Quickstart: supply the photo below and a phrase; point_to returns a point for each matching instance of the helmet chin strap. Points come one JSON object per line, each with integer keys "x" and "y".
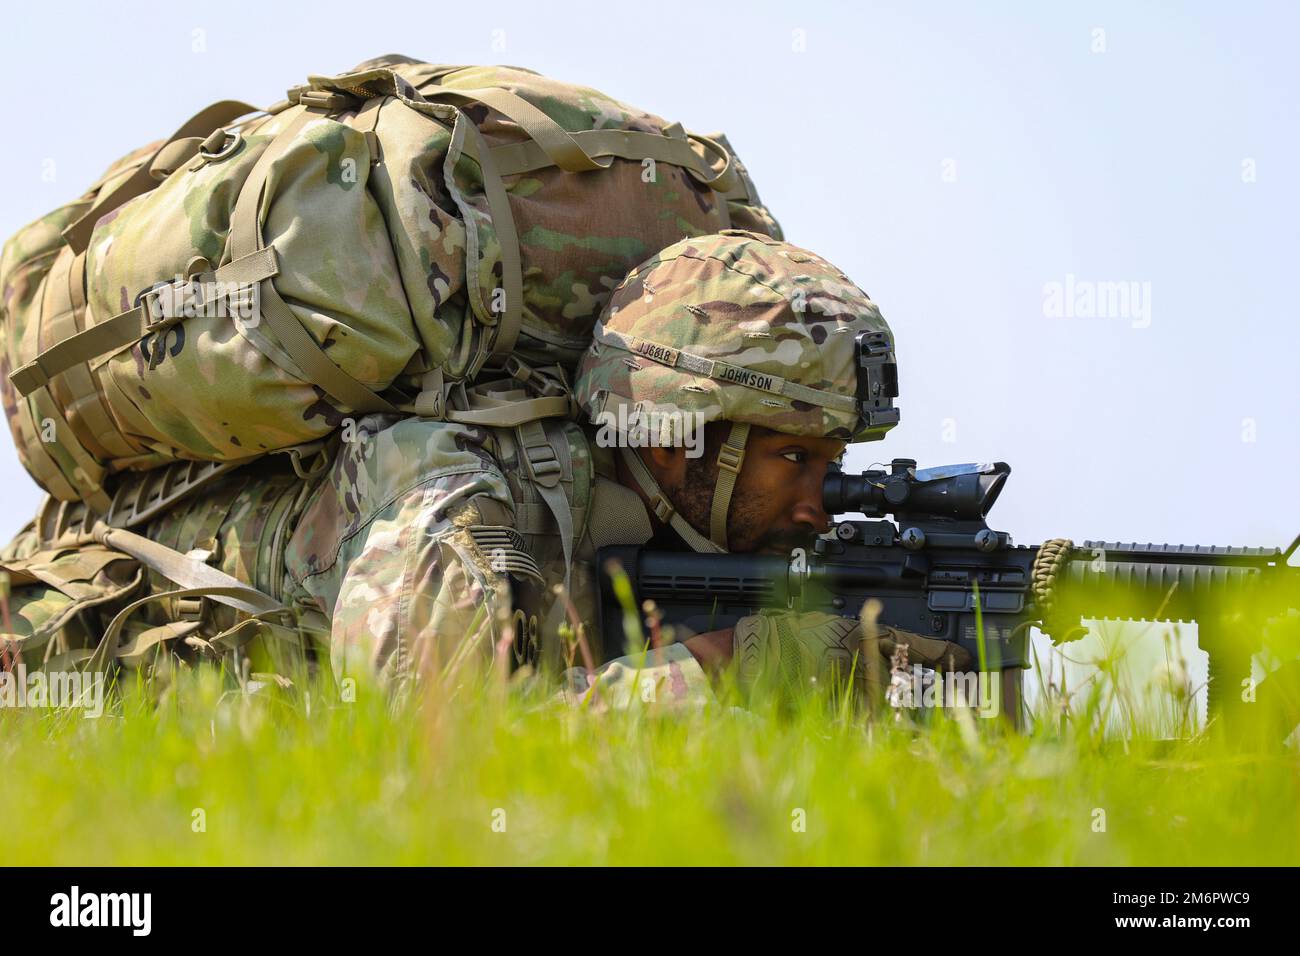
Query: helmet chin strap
{"x": 731, "y": 456}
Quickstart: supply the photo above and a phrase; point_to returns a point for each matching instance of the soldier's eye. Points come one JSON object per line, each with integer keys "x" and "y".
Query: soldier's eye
{"x": 798, "y": 457}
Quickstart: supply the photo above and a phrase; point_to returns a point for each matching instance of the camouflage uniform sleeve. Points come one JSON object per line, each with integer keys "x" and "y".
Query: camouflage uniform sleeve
{"x": 668, "y": 679}
{"x": 383, "y": 550}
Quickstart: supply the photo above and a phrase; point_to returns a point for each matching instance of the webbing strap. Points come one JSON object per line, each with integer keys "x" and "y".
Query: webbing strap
{"x": 109, "y": 336}
{"x": 663, "y": 508}
{"x": 191, "y": 574}
{"x": 466, "y": 137}
{"x": 731, "y": 456}
{"x": 723, "y": 371}
{"x": 508, "y": 414}
{"x": 87, "y": 474}
{"x": 127, "y": 327}
{"x": 422, "y": 74}
{"x": 77, "y": 395}
{"x": 249, "y": 628}
{"x": 245, "y": 239}
{"x": 38, "y": 453}
{"x": 532, "y": 518}
{"x": 320, "y": 368}
{"x": 89, "y": 403}
{"x": 173, "y": 156}
{"x": 557, "y": 142}
{"x": 539, "y": 458}
{"x": 626, "y": 144}
{"x": 108, "y": 645}
{"x": 151, "y": 637}
{"x": 200, "y": 124}
{"x": 247, "y": 269}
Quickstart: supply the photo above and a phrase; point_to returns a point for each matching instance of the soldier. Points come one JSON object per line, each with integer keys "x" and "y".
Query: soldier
{"x": 434, "y": 548}
{"x": 405, "y": 544}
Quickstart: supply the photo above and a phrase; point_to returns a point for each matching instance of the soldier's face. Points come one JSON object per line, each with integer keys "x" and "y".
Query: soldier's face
{"x": 777, "y": 502}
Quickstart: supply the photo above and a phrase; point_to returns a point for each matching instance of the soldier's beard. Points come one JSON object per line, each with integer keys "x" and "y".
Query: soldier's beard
{"x": 747, "y": 530}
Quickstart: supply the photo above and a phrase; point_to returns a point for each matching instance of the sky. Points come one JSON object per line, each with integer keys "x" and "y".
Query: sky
{"x": 984, "y": 171}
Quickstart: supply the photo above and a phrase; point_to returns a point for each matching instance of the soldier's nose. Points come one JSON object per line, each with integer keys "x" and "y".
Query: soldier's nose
{"x": 810, "y": 514}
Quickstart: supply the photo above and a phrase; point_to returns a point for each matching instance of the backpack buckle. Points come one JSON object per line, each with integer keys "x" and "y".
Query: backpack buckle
{"x": 323, "y": 100}
{"x": 189, "y": 608}
{"x": 159, "y": 312}
{"x": 538, "y": 456}
{"x": 221, "y": 142}
{"x": 541, "y": 460}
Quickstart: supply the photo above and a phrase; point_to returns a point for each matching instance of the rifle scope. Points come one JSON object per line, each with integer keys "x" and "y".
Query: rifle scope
{"x": 961, "y": 492}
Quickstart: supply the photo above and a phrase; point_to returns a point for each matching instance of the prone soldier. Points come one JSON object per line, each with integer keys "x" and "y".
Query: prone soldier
{"x": 424, "y": 549}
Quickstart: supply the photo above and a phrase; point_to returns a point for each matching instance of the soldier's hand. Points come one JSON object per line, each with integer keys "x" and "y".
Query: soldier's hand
{"x": 792, "y": 653}
{"x": 928, "y": 651}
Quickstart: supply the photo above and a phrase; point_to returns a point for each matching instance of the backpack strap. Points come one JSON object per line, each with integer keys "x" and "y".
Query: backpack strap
{"x": 63, "y": 314}
{"x": 541, "y": 393}
{"x": 466, "y": 139}
{"x": 83, "y": 472}
{"x": 140, "y": 182}
{"x": 197, "y": 580}
{"x": 191, "y": 573}
{"x": 634, "y": 145}
{"x": 109, "y": 646}
{"x": 510, "y": 413}
{"x": 126, "y": 328}
{"x": 544, "y": 471}
{"x": 560, "y": 146}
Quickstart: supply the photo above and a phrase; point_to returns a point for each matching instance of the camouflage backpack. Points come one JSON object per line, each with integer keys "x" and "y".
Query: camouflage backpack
{"x": 210, "y": 578}
{"x": 376, "y": 242}
{"x": 198, "y": 580}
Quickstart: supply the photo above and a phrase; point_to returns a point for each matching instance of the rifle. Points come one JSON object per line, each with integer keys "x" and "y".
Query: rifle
{"x": 939, "y": 570}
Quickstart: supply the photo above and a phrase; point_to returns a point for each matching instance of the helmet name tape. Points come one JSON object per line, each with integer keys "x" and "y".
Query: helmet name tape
{"x": 663, "y": 354}
{"x": 723, "y": 372}
{"x": 744, "y": 376}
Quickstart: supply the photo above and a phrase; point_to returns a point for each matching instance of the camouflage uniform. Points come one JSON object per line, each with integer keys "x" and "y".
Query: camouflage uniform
{"x": 396, "y": 547}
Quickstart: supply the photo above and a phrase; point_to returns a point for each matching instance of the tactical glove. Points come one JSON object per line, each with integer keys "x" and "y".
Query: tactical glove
{"x": 793, "y": 652}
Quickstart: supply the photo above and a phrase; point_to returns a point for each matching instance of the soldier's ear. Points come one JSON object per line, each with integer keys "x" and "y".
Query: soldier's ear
{"x": 667, "y": 463}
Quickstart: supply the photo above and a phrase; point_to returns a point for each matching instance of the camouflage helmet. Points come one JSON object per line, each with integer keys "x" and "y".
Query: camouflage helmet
{"x": 743, "y": 328}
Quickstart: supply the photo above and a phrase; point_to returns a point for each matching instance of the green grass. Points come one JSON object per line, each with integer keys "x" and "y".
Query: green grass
{"x": 294, "y": 776}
